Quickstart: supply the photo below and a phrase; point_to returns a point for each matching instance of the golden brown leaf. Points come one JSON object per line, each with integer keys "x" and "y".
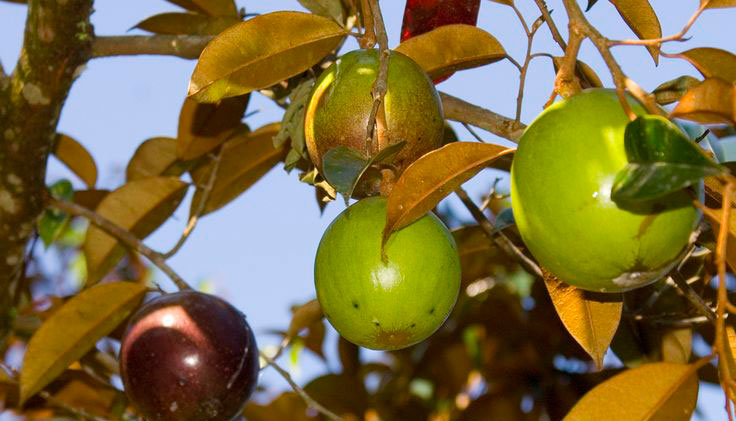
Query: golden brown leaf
{"x": 727, "y": 362}
{"x": 432, "y": 177}
{"x": 74, "y": 329}
{"x": 140, "y": 206}
{"x": 714, "y": 4}
{"x": 714, "y": 218}
{"x": 76, "y": 158}
{"x": 203, "y": 127}
{"x": 651, "y": 392}
{"x": 591, "y": 318}
{"x": 80, "y": 391}
{"x": 449, "y": 48}
{"x": 187, "y": 24}
{"x": 712, "y": 62}
{"x": 640, "y": 17}
{"x": 210, "y": 7}
{"x": 245, "y": 159}
{"x": 304, "y": 316}
{"x": 90, "y": 199}
{"x": 262, "y": 51}
{"x": 154, "y": 157}
{"x": 585, "y": 74}
{"x": 709, "y": 102}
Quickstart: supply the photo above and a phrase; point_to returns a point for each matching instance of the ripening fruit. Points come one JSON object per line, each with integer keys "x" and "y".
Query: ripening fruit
{"x": 561, "y": 181}
{"x": 189, "y": 356}
{"x": 338, "y": 111}
{"x": 391, "y": 304}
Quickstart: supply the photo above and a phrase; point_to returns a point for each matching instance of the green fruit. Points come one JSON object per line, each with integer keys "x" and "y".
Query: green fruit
{"x": 561, "y": 181}
{"x": 338, "y": 111}
{"x": 391, "y": 304}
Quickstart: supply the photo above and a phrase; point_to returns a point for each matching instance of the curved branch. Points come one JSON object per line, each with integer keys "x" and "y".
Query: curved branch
{"x": 458, "y": 110}
{"x": 184, "y": 46}
{"x": 679, "y": 37}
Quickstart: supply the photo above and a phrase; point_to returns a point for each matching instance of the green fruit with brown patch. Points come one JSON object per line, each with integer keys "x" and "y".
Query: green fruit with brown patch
{"x": 561, "y": 181}
{"x": 338, "y": 111}
{"x": 387, "y": 304}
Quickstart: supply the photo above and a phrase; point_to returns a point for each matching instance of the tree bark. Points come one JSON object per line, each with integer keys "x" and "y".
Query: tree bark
{"x": 56, "y": 45}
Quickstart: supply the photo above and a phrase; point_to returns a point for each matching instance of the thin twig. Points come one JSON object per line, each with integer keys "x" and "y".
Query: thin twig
{"x": 679, "y": 37}
{"x": 551, "y": 24}
{"x": 472, "y": 132}
{"x": 308, "y": 399}
{"x": 184, "y": 46}
{"x": 458, "y": 110}
{"x": 695, "y": 299}
{"x": 525, "y": 67}
{"x": 499, "y": 238}
{"x": 200, "y": 206}
{"x": 123, "y": 235}
{"x": 380, "y": 86}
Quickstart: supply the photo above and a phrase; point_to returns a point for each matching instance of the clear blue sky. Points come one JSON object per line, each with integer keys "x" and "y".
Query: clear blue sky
{"x": 259, "y": 250}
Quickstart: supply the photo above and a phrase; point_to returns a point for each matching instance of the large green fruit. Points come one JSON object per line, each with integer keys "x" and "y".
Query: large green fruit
{"x": 341, "y": 102}
{"x": 391, "y": 304}
{"x": 561, "y": 181}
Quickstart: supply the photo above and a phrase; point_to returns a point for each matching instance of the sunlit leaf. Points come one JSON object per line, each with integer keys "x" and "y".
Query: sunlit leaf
{"x": 432, "y": 177}
{"x": 327, "y": 8}
{"x": 640, "y": 17}
{"x": 709, "y": 102}
{"x": 450, "y": 48}
{"x": 590, "y": 317}
{"x": 154, "y": 157}
{"x": 712, "y": 62}
{"x": 506, "y": 2}
{"x": 245, "y": 159}
{"x": 727, "y": 362}
{"x": 262, "y": 51}
{"x": 187, "y": 24}
{"x": 203, "y": 127}
{"x": 713, "y": 4}
{"x": 671, "y": 91}
{"x": 76, "y": 158}
{"x": 661, "y": 159}
{"x": 651, "y": 392}
{"x": 140, "y": 207}
{"x": 74, "y": 329}
{"x": 210, "y": 7}
{"x": 585, "y": 74}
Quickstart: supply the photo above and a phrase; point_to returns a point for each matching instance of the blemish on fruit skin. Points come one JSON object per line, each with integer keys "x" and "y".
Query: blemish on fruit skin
{"x": 355, "y": 305}
{"x": 431, "y": 311}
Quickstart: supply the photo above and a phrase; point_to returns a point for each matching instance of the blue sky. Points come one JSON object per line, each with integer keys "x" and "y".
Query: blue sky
{"x": 258, "y": 251}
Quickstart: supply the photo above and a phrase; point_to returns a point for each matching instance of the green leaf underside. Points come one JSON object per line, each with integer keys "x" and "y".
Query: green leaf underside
{"x": 642, "y": 182}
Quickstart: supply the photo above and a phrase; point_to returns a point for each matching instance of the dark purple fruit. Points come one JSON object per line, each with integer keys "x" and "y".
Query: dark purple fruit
{"x": 189, "y": 356}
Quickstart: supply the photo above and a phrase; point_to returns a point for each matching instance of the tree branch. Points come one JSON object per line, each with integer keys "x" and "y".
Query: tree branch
{"x": 458, "y": 110}
{"x": 56, "y": 43}
{"x": 184, "y": 46}
{"x": 551, "y": 24}
{"x": 123, "y": 235}
{"x": 377, "y": 116}
{"x": 676, "y": 37}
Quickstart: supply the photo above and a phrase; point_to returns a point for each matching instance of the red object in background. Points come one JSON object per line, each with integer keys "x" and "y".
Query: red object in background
{"x": 421, "y": 16}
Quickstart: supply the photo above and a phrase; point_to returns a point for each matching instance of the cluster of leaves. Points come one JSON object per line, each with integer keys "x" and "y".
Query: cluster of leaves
{"x": 517, "y": 346}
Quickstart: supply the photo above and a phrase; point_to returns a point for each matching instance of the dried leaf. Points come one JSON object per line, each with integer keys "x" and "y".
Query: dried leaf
{"x": 671, "y": 91}
{"x": 154, "y": 157}
{"x": 187, "y": 24}
{"x": 245, "y": 159}
{"x": 203, "y": 127}
{"x": 591, "y": 318}
{"x": 210, "y": 7}
{"x": 76, "y": 158}
{"x": 709, "y": 102}
{"x": 262, "y": 51}
{"x": 585, "y": 74}
{"x": 432, "y": 177}
{"x": 74, "y": 329}
{"x": 712, "y": 62}
{"x": 140, "y": 207}
{"x": 651, "y": 392}
{"x": 304, "y": 316}
{"x": 506, "y": 2}
{"x": 640, "y": 17}
{"x": 449, "y": 48}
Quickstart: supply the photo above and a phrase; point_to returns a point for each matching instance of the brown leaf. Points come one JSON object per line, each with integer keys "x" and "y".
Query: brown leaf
{"x": 339, "y": 393}
{"x": 74, "y": 329}
{"x": 90, "y": 199}
{"x": 154, "y": 157}
{"x": 83, "y": 392}
{"x": 712, "y": 62}
{"x": 585, "y": 74}
{"x": 203, "y": 127}
{"x": 432, "y": 177}
{"x": 303, "y": 316}
{"x": 651, "y": 392}
{"x": 140, "y": 206}
{"x": 672, "y": 90}
{"x": 727, "y": 362}
{"x": 287, "y": 406}
{"x": 245, "y": 159}
{"x": 210, "y": 7}
{"x": 76, "y": 158}
{"x": 506, "y": 2}
{"x": 494, "y": 408}
{"x": 714, "y": 4}
{"x": 262, "y": 51}
{"x": 187, "y": 24}
{"x": 591, "y": 318}
{"x": 640, "y": 17}
{"x": 709, "y": 102}
{"x": 449, "y": 48}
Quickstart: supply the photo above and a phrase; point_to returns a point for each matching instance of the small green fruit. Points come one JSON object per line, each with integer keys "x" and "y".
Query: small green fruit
{"x": 338, "y": 111}
{"x": 561, "y": 181}
{"x": 391, "y": 304}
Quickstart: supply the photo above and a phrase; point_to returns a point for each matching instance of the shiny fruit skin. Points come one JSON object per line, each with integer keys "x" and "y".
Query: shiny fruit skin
{"x": 561, "y": 181}
{"x": 189, "y": 356}
{"x": 388, "y": 305}
{"x": 341, "y": 102}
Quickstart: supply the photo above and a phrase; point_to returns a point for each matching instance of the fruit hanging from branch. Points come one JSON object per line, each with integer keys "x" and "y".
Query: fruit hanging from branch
{"x": 189, "y": 356}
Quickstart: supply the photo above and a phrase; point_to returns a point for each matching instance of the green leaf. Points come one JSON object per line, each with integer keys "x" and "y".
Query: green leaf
{"x": 54, "y": 221}
{"x": 74, "y": 329}
{"x": 262, "y": 51}
{"x": 187, "y": 24}
{"x": 662, "y": 160}
{"x": 671, "y": 91}
{"x": 292, "y": 124}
